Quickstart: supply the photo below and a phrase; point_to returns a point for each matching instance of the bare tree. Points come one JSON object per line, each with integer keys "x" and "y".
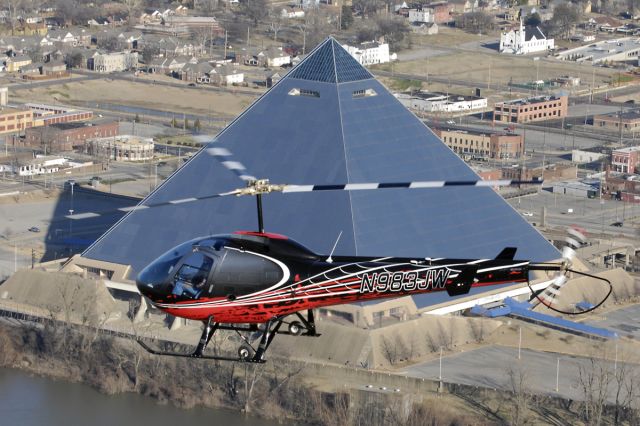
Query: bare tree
{"x": 518, "y": 379}
{"x": 475, "y": 22}
{"x": 13, "y": 9}
{"x": 389, "y": 350}
{"x": 594, "y": 378}
{"x": 276, "y": 22}
{"x": 256, "y": 10}
{"x": 252, "y": 375}
{"x": 367, "y": 7}
{"x": 565, "y": 17}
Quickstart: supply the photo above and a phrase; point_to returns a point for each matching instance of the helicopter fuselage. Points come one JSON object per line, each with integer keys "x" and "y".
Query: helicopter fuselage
{"x": 252, "y": 277}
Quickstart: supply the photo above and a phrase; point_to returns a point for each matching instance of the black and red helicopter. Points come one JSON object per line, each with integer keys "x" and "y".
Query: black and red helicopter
{"x": 238, "y": 281}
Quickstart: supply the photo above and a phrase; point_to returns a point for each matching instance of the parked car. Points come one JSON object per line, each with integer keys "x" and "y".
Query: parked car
{"x": 529, "y": 214}
{"x": 617, "y": 224}
{"x": 34, "y": 229}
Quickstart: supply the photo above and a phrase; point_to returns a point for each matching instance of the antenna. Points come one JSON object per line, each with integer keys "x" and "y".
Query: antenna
{"x": 330, "y": 259}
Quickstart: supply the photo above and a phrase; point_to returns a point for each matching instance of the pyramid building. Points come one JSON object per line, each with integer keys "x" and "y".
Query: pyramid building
{"x": 329, "y": 121}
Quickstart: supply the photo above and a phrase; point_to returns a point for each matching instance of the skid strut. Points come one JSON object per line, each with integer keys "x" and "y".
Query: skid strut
{"x": 272, "y": 327}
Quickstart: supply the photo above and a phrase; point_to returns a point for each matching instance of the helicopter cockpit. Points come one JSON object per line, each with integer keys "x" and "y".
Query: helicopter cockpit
{"x": 207, "y": 267}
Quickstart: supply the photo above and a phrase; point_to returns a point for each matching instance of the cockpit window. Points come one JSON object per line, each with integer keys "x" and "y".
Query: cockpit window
{"x": 157, "y": 272}
{"x": 191, "y": 278}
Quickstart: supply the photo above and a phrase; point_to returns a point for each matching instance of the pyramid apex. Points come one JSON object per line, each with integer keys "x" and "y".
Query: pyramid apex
{"x": 329, "y": 62}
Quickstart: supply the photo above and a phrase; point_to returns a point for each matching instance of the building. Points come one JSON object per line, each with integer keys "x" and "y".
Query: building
{"x": 122, "y": 148}
{"x": 45, "y": 115}
{"x": 68, "y": 136}
{"x": 441, "y": 102}
{"x": 346, "y": 127}
{"x": 626, "y": 160}
{"x": 370, "y": 52}
{"x": 441, "y": 12}
{"x": 548, "y": 172}
{"x": 625, "y": 121}
{"x": 586, "y": 156}
{"x": 617, "y": 50}
{"x": 14, "y": 63}
{"x": 472, "y": 144}
{"x": 113, "y": 62}
{"x": 14, "y": 120}
{"x": 576, "y": 189}
{"x": 526, "y": 110}
{"x": 424, "y": 14}
{"x": 41, "y": 165}
{"x": 525, "y": 40}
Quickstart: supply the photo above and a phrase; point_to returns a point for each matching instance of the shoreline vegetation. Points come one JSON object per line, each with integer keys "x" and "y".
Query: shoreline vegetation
{"x": 276, "y": 390}
{"x": 281, "y": 389}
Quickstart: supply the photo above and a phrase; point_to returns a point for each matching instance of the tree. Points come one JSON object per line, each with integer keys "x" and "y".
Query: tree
{"x": 74, "y": 60}
{"x": 366, "y": 7}
{"x": 149, "y": 52}
{"x": 518, "y": 379}
{"x": 186, "y": 123}
{"x": 256, "y": 10}
{"x": 475, "y": 22}
{"x": 196, "y": 125}
{"x": 109, "y": 43}
{"x": 13, "y": 9}
{"x": 565, "y": 17}
{"x": 393, "y": 30}
{"x": 633, "y": 6}
{"x": 533, "y": 19}
{"x": 346, "y": 18}
{"x": 276, "y": 23}
{"x": 136, "y": 119}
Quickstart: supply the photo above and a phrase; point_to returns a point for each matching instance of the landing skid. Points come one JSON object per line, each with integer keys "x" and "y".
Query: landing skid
{"x": 246, "y": 352}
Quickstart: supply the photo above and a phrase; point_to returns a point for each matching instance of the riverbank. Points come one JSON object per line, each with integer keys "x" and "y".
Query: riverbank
{"x": 277, "y": 390}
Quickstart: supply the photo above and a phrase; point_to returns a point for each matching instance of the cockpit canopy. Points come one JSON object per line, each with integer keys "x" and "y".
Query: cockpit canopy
{"x": 209, "y": 267}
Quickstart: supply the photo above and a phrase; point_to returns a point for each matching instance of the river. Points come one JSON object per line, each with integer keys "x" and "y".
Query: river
{"x": 27, "y": 400}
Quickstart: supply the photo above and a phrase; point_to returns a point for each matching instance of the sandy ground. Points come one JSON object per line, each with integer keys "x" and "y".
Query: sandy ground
{"x": 158, "y": 97}
{"x": 478, "y": 66}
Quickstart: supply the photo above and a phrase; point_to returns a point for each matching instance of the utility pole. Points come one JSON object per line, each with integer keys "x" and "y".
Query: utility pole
{"x": 225, "y": 45}
{"x": 520, "y": 342}
{"x": 557, "y": 374}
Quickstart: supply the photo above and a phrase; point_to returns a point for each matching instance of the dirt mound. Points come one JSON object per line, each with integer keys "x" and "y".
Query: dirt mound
{"x": 64, "y": 296}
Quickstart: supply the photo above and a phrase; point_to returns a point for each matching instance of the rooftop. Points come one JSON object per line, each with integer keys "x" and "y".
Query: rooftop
{"x": 450, "y": 97}
{"x": 529, "y": 101}
{"x": 600, "y": 51}
{"x": 628, "y": 149}
{"x": 626, "y": 116}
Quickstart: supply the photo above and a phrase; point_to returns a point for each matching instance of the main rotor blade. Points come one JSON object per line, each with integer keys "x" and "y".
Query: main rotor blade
{"x": 407, "y": 185}
{"x": 264, "y": 187}
{"x": 88, "y": 215}
{"x": 223, "y": 155}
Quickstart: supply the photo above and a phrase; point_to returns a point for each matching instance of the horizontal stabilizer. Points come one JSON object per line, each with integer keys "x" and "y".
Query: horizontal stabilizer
{"x": 508, "y": 253}
{"x": 462, "y": 284}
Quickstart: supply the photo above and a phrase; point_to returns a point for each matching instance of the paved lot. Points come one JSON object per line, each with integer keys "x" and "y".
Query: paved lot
{"x": 625, "y": 321}
{"x": 490, "y": 367}
{"x": 591, "y": 214}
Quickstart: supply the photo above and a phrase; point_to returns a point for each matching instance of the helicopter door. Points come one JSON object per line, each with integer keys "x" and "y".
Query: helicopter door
{"x": 191, "y": 279}
{"x": 240, "y": 273}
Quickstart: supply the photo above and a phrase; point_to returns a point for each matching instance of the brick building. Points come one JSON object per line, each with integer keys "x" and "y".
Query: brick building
{"x": 526, "y": 110}
{"x": 68, "y": 136}
{"x": 484, "y": 145}
{"x": 625, "y": 160}
{"x": 549, "y": 173}
{"x": 628, "y": 121}
{"x": 15, "y": 120}
{"x": 441, "y": 12}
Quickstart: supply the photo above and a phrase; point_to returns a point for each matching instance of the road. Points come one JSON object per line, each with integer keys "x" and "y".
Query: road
{"x": 592, "y": 215}
{"x": 491, "y": 367}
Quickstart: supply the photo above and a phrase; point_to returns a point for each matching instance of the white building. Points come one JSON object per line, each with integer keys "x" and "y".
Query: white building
{"x": 113, "y": 62}
{"x": 440, "y": 102}
{"x": 622, "y": 50}
{"x": 525, "y": 40}
{"x": 370, "y": 53}
{"x": 41, "y": 165}
{"x": 421, "y": 15}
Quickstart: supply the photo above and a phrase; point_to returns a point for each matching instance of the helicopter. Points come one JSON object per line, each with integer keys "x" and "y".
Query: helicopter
{"x": 262, "y": 282}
